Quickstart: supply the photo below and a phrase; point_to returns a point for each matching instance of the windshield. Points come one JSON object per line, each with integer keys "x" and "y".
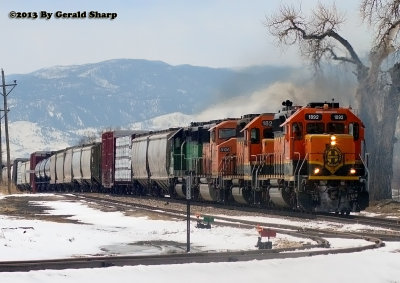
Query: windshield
{"x": 315, "y": 128}
{"x": 226, "y": 133}
{"x": 335, "y": 128}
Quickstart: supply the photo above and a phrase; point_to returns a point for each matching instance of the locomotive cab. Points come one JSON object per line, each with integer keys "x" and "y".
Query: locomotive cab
{"x": 220, "y": 145}
{"x": 252, "y": 154}
{"x": 223, "y": 157}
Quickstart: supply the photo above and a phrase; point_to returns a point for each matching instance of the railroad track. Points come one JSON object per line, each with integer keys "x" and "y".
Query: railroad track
{"x": 394, "y": 235}
{"x": 317, "y": 235}
{"x": 390, "y": 224}
{"x": 360, "y": 219}
{"x": 107, "y": 261}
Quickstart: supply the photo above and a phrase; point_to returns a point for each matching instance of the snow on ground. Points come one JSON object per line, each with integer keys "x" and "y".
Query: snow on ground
{"x": 99, "y": 233}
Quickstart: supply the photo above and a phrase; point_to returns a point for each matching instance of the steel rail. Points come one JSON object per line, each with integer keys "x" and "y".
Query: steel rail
{"x": 352, "y": 219}
{"x": 108, "y": 261}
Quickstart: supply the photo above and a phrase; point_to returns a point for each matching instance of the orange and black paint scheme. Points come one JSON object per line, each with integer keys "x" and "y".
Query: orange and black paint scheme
{"x": 323, "y": 155}
{"x": 216, "y": 159}
{"x": 310, "y": 158}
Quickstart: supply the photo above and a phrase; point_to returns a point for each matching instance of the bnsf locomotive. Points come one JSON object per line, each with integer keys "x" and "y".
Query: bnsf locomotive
{"x": 310, "y": 158}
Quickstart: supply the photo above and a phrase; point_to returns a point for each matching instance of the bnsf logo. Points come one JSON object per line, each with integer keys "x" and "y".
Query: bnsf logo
{"x": 225, "y": 149}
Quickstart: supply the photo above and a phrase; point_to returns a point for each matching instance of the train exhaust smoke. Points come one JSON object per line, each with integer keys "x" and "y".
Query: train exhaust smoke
{"x": 270, "y": 98}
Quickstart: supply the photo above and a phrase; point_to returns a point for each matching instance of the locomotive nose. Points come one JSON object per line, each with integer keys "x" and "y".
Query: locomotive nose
{"x": 329, "y": 154}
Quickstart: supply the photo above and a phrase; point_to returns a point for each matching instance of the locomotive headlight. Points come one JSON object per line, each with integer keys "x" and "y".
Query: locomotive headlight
{"x": 333, "y": 140}
{"x": 316, "y": 171}
{"x": 352, "y": 171}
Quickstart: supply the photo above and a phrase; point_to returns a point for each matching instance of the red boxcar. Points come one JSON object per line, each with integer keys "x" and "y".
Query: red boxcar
{"x": 108, "y": 155}
{"x": 36, "y": 157}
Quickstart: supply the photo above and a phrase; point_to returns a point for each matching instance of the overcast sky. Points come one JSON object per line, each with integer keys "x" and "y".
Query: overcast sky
{"x": 215, "y": 33}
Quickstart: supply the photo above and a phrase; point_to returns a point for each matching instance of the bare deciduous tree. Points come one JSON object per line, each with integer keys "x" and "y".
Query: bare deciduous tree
{"x": 88, "y": 138}
{"x": 378, "y": 92}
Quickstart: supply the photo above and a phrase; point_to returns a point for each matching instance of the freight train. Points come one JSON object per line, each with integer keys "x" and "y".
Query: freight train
{"x": 310, "y": 158}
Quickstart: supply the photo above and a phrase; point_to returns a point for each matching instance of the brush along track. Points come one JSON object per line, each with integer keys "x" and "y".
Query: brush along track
{"x": 393, "y": 224}
{"x": 203, "y": 257}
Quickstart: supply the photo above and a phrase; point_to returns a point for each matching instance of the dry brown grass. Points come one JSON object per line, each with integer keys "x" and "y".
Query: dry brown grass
{"x": 4, "y": 190}
{"x": 389, "y": 206}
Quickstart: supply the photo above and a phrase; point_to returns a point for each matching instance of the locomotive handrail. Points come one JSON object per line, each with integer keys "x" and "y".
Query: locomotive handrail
{"x": 234, "y": 164}
{"x": 196, "y": 164}
{"x": 258, "y": 170}
{"x": 298, "y": 174}
{"x": 298, "y": 161}
{"x": 225, "y": 163}
{"x": 253, "y": 155}
{"x": 269, "y": 155}
{"x": 276, "y": 164}
{"x": 262, "y": 164}
{"x": 228, "y": 158}
{"x": 182, "y": 155}
{"x": 252, "y": 171}
{"x": 220, "y": 165}
{"x": 365, "y": 163}
{"x": 280, "y": 164}
{"x": 240, "y": 164}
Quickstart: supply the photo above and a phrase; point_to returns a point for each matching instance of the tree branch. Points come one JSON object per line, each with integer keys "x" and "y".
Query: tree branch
{"x": 330, "y": 33}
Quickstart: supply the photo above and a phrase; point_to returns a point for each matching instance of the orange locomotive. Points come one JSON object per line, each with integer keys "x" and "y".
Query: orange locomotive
{"x": 310, "y": 158}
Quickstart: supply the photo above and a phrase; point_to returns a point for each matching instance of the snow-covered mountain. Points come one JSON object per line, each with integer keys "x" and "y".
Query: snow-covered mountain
{"x": 27, "y": 137}
{"x": 120, "y": 92}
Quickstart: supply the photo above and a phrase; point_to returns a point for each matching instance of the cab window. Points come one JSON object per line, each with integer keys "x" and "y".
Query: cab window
{"x": 255, "y": 135}
{"x": 213, "y": 135}
{"x": 335, "y": 128}
{"x": 315, "y": 128}
{"x": 268, "y": 133}
{"x": 177, "y": 143}
{"x": 297, "y": 129}
{"x": 354, "y": 130}
{"x": 226, "y": 133}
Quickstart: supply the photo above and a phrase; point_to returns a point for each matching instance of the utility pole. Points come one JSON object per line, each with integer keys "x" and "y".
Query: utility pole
{"x": 1, "y": 150}
{"x": 5, "y": 94}
{"x": 1, "y": 154}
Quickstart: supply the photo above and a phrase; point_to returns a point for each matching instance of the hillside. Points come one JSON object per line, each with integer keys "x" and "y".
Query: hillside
{"x": 120, "y": 92}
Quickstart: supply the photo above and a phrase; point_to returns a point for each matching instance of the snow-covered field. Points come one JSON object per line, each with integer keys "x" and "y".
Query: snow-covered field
{"x": 99, "y": 233}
